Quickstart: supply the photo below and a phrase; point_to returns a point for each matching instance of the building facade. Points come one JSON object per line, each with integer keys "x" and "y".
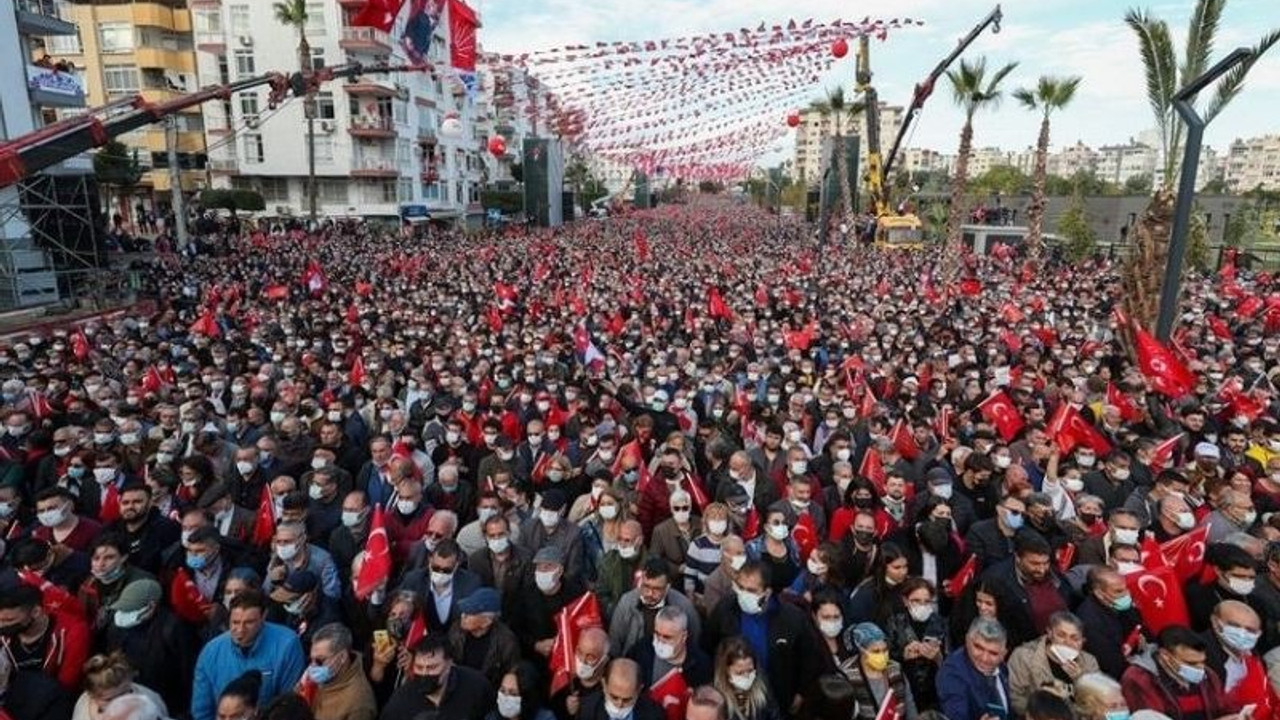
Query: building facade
{"x": 1253, "y": 163}
{"x": 815, "y": 128}
{"x": 1119, "y": 163}
{"x": 378, "y": 145}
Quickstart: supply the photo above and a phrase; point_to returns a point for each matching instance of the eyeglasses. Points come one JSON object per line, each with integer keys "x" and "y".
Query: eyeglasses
{"x": 682, "y": 508}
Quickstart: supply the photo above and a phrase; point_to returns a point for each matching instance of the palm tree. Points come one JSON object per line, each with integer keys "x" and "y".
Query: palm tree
{"x": 838, "y": 109}
{"x": 973, "y": 90}
{"x": 293, "y": 13}
{"x": 1049, "y": 94}
{"x": 1165, "y": 76}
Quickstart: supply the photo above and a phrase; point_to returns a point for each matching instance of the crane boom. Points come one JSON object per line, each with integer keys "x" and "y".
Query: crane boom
{"x": 28, "y": 154}
{"x": 924, "y": 89}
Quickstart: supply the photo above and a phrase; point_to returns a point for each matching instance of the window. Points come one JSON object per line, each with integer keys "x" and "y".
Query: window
{"x": 401, "y": 112}
{"x": 244, "y": 63}
{"x": 317, "y": 58}
{"x": 120, "y": 79}
{"x": 64, "y": 44}
{"x": 324, "y": 106}
{"x": 255, "y": 152}
{"x": 223, "y": 73}
{"x": 430, "y": 191}
{"x": 115, "y": 37}
{"x": 249, "y": 107}
{"x": 315, "y": 19}
{"x": 404, "y": 190}
{"x": 388, "y": 191}
{"x": 457, "y": 193}
{"x": 402, "y": 152}
{"x": 208, "y": 21}
{"x": 274, "y": 190}
{"x": 240, "y": 19}
{"x": 324, "y": 148}
{"x": 331, "y": 192}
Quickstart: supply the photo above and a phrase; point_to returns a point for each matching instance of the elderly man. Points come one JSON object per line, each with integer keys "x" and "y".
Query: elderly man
{"x": 669, "y": 655}
{"x": 973, "y": 682}
{"x": 342, "y": 690}
{"x": 623, "y": 696}
{"x": 591, "y": 657}
{"x": 443, "y": 584}
{"x": 1047, "y": 660}
{"x": 291, "y": 551}
{"x": 1234, "y": 631}
{"x": 1109, "y": 619}
{"x": 480, "y": 639}
{"x": 618, "y": 567}
{"x": 636, "y": 612}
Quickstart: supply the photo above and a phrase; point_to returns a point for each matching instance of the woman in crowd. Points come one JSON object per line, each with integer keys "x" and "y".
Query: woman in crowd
{"x": 917, "y": 634}
{"x": 107, "y": 677}
{"x": 520, "y": 696}
{"x": 742, "y": 683}
{"x": 874, "y": 673}
{"x": 877, "y": 597}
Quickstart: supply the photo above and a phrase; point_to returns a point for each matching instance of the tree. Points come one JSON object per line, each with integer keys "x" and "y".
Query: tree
{"x": 1049, "y": 94}
{"x": 233, "y": 200}
{"x": 1138, "y": 185}
{"x": 1003, "y": 180}
{"x": 838, "y": 108}
{"x": 973, "y": 89}
{"x": 115, "y": 167}
{"x": 293, "y": 14}
{"x": 1198, "y": 240}
{"x": 1165, "y": 76}
{"x": 1216, "y": 186}
{"x": 1074, "y": 227}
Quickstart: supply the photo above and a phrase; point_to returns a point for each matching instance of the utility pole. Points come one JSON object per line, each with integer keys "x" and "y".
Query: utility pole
{"x": 309, "y": 107}
{"x": 175, "y": 181}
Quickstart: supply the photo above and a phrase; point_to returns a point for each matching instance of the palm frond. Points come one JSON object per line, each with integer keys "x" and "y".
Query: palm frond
{"x": 1158, "y": 62}
{"x": 1231, "y": 83}
{"x": 1028, "y": 99}
{"x": 1066, "y": 90}
{"x": 1200, "y": 36}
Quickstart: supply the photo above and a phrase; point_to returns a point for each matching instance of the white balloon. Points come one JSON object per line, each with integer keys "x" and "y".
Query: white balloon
{"x": 451, "y": 127}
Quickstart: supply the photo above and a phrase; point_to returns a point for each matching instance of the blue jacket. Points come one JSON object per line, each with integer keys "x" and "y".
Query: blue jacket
{"x": 277, "y": 653}
{"x": 964, "y": 693}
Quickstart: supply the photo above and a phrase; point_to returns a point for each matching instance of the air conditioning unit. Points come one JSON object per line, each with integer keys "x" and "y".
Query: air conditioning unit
{"x": 252, "y": 123}
{"x": 326, "y": 126}
{"x": 246, "y": 40}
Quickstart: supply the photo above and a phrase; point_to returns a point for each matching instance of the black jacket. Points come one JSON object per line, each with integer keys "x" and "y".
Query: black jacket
{"x": 793, "y": 659}
{"x": 1014, "y": 604}
{"x": 147, "y": 543}
{"x": 592, "y": 708}
{"x": 36, "y": 696}
{"x": 467, "y": 696}
{"x": 1105, "y": 631}
{"x": 163, "y": 650}
{"x": 697, "y": 668}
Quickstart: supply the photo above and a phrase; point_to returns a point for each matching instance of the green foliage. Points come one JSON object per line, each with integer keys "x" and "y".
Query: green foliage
{"x": 1049, "y": 94}
{"x": 710, "y": 187}
{"x": 1138, "y": 185}
{"x": 1003, "y": 179}
{"x": 509, "y": 202}
{"x": 233, "y": 200}
{"x": 935, "y": 221}
{"x": 1252, "y": 225}
{"x": 1083, "y": 181}
{"x": 973, "y": 89}
{"x": 1198, "y": 241}
{"x": 1216, "y": 186}
{"x": 116, "y": 166}
{"x": 1073, "y": 226}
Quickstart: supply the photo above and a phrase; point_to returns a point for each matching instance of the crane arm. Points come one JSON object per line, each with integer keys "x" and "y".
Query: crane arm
{"x": 874, "y": 174}
{"x": 924, "y": 89}
{"x": 28, "y": 154}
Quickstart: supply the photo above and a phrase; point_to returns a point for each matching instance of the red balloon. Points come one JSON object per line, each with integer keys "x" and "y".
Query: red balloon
{"x": 839, "y": 48}
{"x": 497, "y": 145}
{"x": 793, "y": 120}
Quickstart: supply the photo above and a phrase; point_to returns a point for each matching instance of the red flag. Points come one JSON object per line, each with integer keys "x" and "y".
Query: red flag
{"x": 79, "y": 345}
{"x": 357, "y": 374}
{"x": 762, "y": 295}
{"x": 110, "y": 510}
{"x": 751, "y": 526}
{"x": 1185, "y": 553}
{"x": 868, "y": 405}
{"x": 1167, "y": 374}
{"x": 206, "y": 325}
{"x": 377, "y": 557}
{"x": 264, "y": 525}
{"x": 955, "y": 586}
{"x": 55, "y": 598}
{"x": 1128, "y": 411}
{"x": 380, "y": 14}
{"x": 40, "y": 406}
{"x": 1132, "y": 642}
{"x": 890, "y": 708}
{"x": 185, "y": 597}
{"x": 1249, "y": 307}
{"x": 1163, "y": 452}
{"x": 363, "y": 289}
{"x": 1219, "y": 327}
{"x": 671, "y": 692}
{"x": 152, "y": 382}
{"x": 570, "y": 621}
{"x": 276, "y": 292}
{"x": 642, "y": 246}
{"x": 804, "y": 535}
{"x": 717, "y": 308}
{"x": 904, "y": 441}
{"x": 1011, "y": 314}
{"x": 306, "y": 689}
{"x": 313, "y": 278}
{"x": 873, "y": 469}
{"x": 971, "y": 287}
{"x": 1000, "y": 411}
{"x": 1158, "y": 597}
{"x": 942, "y": 424}
{"x": 1069, "y": 428}
{"x": 1065, "y": 556}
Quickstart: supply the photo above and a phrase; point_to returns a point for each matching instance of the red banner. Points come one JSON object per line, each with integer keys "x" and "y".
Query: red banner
{"x": 462, "y": 36}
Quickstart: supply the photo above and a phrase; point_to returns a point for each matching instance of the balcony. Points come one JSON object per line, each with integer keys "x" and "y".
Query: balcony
{"x": 427, "y": 137}
{"x": 365, "y": 40}
{"x": 160, "y": 58}
{"x": 372, "y": 88}
{"x": 223, "y": 166}
{"x": 211, "y": 42}
{"x": 372, "y": 126}
{"x": 374, "y": 168}
{"x": 40, "y": 17}
{"x": 50, "y": 88}
{"x": 188, "y": 142}
{"x": 429, "y": 174}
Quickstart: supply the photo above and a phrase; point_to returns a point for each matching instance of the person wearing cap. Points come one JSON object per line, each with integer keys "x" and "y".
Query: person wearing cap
{"x": 549, "y": 589}
{"x": 873, "y": 674}
{"x": 232, "y": 521}
{"x": 298, "y": 605}
{"x": 159, "y": 646}
{"x": 552, "y": 530}
{"x": 251, "y": 643}
{"x": 110, "y": 571}
{"x": 342, "y": 691}
{"x": 480, "y": 639}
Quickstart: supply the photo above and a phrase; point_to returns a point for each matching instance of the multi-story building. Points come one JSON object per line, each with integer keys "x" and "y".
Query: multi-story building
{"x": 1072, "y": 159}
{"x": 1253, "y": 163}
{"x": 983, "y": 159}
{"x": 33, "y": 92}
{"x": 504, "y": 107}
{"x": 916, "y": 160}
{"x": 1119, "y": 163}
{"x": 379, "y": 148}
{"x": 815, "y": 127}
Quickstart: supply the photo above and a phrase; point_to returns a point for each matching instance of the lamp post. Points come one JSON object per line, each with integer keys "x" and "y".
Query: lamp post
{"x": 1183, "y": 102}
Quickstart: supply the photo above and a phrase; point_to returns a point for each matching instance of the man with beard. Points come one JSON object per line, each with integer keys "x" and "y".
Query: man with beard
{"x": 147, "y": 531}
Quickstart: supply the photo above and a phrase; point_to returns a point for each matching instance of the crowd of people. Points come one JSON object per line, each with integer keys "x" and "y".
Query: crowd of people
{"x": 681, "y": 464}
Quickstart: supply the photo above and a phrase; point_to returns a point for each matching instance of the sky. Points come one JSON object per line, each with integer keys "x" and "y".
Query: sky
{"x": 1087, "y": 38}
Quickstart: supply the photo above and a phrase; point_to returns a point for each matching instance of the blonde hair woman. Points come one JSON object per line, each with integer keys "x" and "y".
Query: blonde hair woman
{"x": 107, "y": 677}
{"x": 741, "y": 680}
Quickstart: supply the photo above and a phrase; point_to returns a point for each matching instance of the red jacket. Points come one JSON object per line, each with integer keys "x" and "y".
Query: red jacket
{"x": 1145, "y": 687}
{"x": 66, "y": 651}
{"x": 404, "y": 535}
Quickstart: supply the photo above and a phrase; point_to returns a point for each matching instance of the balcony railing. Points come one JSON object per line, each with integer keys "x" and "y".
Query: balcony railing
{"x": 374, "y": 167}
{"x": 365, "y": 39}
{"x": 372, "y": 126}
{"x": 223, "y": 165}
{"x": 41, "y": 17}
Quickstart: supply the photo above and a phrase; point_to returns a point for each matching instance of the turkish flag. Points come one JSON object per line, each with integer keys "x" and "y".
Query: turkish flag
{"x": 377, "y": 557}
{"x": 642, "y": 246}
{"x": 1069, "y": 428}
{"x": 1129, "y": 412}
{"x": 206, "y": 325}
{"x": 1065, "y": 556}
{"x": 570, "y": 621}
{"x": 264, "y": 524}
{"x": 357, "y": 372}
{"x": 671, "y": 692}
{"x": 1249, "y": 307}
{"x": 890, "y": 708}
{"x": 1151, "y": 555}
{"x": 868, "y": 406}
{"x": 999, "y": 410}
{"x": 954, "y": 587}
{"x": 942, "y": 424}
{"x": 110, "y": 510}
{"x": 363, "y": 289}
{"x": 716, "y": 306}
{"x": 1167, "y": 374}
{"x": 54, "y": 598}
{"x": 872, "y": 468}
{"x": 1163, "y": 453}
{"x": 40, "y": 406}
{"x": 1011, "y": 313}
{"x": 804, "y": 535}
{"x": 380, "y": 14}
{"x": 79, "y": 345}
{"x": 152, "y": 382}
{"x": 1157, "y": 595}
{"x": 1219, "y": 327}
{"x": 971, "y": 287}
{"x": 762, "y": 295}
{"x": 1185, "y": 553}
{"x": 904, "y": 441}
{"x": 276, "y": 292}
{"x": 186, "y": 599}
{"x": 751, "y": 526}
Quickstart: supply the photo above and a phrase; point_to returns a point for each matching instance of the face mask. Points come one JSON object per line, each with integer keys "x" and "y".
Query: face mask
{"x": 876, "y": 661}
{"x": 1002, "y": 462}
{"x": 406, "y": 507}
{"x": 1086, "y": 460}
{"x": 164, "y": 458}
{"x": 129, "y": 619}
{"x": 196, "y": 562}
{"x": 441, "y": 579}
{"x": 605, "y": 455}
{"x": 864, "y": 537}
{"x": 545, "y": 580}
{"x": 129, "y": 439}
{"x": 549, "y": 518}
{"x": 351, "y": 518}
{"x": 942, "y": 491}
{"x": 778, "y": 532}
{"x": 1064, "y": 653}
{"x": 319, "y": 674}
{"x": 737, "y": 561}
{"x": 7, "y": 509}
{"x": 749, "y": 602}
{"x": 1116, "y": 715}
{"x": 799, "y": 467}
{"x": 1240, "y": 586}
{"x": 1121, "y": 474}
{"x": 75, "y": 472}
{"x": 1125, "y": 536}
{"x": 508, "y": 705}
{"x": 1013, "y": 519}
{"x": 315, "y": 492}
{"x": 429, "y": 683}
{"x": 816, "y": 567}
{"x": 680, "y": 516}
{"x": 287, "y": 552}
{"x": 294, "y": 607}
{"x": 318, "y": 463}
{"x": 717, "y": 527}
{"x": 52, "y": 518}
{"x": 485, "y": 513}
{"x": 1249, "y": 517}
{"x": 1239, "y": 639}
{"x": 663, "y": 650}
{"x": 920, "y": 613}
{"x": 616, "y": 712}
{"x": 843, "y": 454}
{"x": 1190, "y": 675}
{"x": 188, "y": 427}
{"x": 1185, "y": 520}
{"x": 498, "y": 545}
{"x": 743, "y": 683}
{"x": 244, "y": 467}
{"x": 831, "y": 628}
{"x": 586, "y": 670}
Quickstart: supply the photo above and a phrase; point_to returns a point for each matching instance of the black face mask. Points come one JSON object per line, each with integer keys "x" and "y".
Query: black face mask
{"x": 429, "y": 683}
{"x": 16, "y": 629}
{"x": 1088, "y": 518}
{"x": 864, "y": 502}
{"x": 864, "y": 537}
{"x": 935, "y": 535}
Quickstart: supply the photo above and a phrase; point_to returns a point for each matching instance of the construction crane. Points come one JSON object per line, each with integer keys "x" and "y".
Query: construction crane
{"x": 28, "y": 154}
{"x": 894, "y": 229}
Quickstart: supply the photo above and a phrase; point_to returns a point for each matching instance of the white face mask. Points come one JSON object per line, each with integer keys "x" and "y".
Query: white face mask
{"x": 942, "y": 491}
{"x": 920, "y": 613}
{"x": 103, "y": 476}
{"x": 549, "y": 518}
{"x": 778, "y": 532}
{"x": 498, "y": 545}
{"x": 743, "y": 683}
{"x": 680, "y": 516}
{"x": 843, "y": 454}
{"x": 749, "y": 602}
{"x": 244, "y": 467}
{"x": 1086, "y": 460}
{"x": 406, "y": 507}
{"x": 1186, "y": 520}
{"x": 1064, "y": 653}
{"x": 617, "y": 712}
{"x": 1240, "y": 586}
{"x": 287, "y": 552}
{"x": 351, "y": 518}
{"x": 816, "y": 566}
{"x": 545, "y": 580}
{"x": 585, "y": 670}
{"x": 1125, "y": 536}
{"x": 717, "y": 527}
{"x": 626, "y": 552}
{"x": 508, "y": 705}
{"x": 737, "y": 561}
{"x": 831, "y": 628}
{"x": 1073, "y": 485}
{"x": 798, "y": 467}
{"x": 663, "y": 650}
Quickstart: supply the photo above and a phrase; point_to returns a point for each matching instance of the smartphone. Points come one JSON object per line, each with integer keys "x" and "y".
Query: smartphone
{"x": 381, "y": 638}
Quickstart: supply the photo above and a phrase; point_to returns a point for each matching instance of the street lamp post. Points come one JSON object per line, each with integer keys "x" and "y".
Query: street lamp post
{"x": 1183, "y": 102}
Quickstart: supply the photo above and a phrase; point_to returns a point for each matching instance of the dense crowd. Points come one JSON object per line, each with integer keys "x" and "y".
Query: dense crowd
{"x": 682, "y": 464}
